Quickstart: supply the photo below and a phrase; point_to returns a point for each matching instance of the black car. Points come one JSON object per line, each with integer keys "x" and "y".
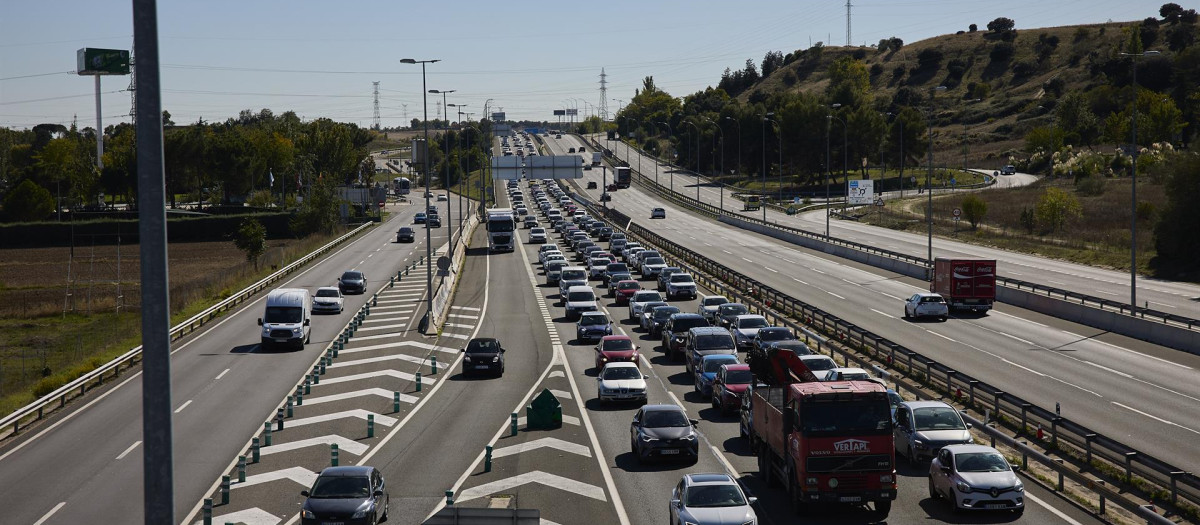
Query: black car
{"x": 353, "y": 281}
{"x": 728, "y": 311}
{"x": 772, "y": 334}
{"x": 433, "y": 222}
{"x": 674, "y": 332}
{"x": 350, "y": 495}
{"x": 405, "y": 234}
{"x": 663, "y": 431}
{"x": 483, "y": 354}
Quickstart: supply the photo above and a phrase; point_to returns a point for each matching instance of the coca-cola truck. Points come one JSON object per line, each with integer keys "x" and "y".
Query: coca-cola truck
{"x": 965, "y": 283}
{"x": 826, "y": 442}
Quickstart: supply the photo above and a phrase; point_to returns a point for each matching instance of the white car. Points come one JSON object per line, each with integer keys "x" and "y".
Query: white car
{"x": 537, "y": 235}
{"x": 579, "y": 299}
{"x": 639, "y": 300}
{"x": 545, "y": 250}
{"x": 848, "y": 374}
{"x": 820, "y": 365}
{"x": 681, "y": 284}
{"x": 709, "y": 306}
{"x": 571, "y": 276}
{"x": 925, "y": 304}
{"x": 745, "y": 327}
{"x": 976, "y": 477}
{"x": 328, "y": 299}
{"x": 621, "y": 381}
{"x": 551, "y": 257}
{"x": 597, "y": 266}
{"x": 650, "y": 266}
{"x": 711, "y": 498}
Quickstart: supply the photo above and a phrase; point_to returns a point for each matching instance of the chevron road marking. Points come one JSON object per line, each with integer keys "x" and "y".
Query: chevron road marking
{"x": 403, "y": 309}
{"x": 456, "y": 336}
{"x": 383, "y": 320}
{"x": 557, "y": 373}
{"x": 369, "y": 360}
{"x": 561, "y": 394}
{"x": 380, "y": 373}
{"x": 358, "y": 413}
{"x": 252, "y": 516}
{"x": 384, "y": 393}
{"x": 464, "y": 316}
{"x": 300, "y": 475}
{"x": 396, "y": 301}
{"x": 384, "y": 327}
{"x": 343, "y": 443}
{"x": 537, "y": 476}
{"x": 397, "y": 344}
{"x": 547, "y": 442}
{"x": 468, "y": 308}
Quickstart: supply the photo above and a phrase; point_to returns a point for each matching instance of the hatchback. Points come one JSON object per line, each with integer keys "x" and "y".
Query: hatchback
{"x": 976, "y": 477}
{"x": 351, "y": 495}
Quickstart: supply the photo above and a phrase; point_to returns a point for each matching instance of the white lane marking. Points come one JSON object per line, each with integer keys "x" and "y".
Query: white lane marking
{"x": 343, "y": 443}
{"x": 940, "y": 335}
{"x": 816, "y": 270}
{"x": 1055, "y": 282}
{"x": 1156, "y": 418}
{"x": 1107, "y": 369}
{"x": 799, "y": 281}
{"x": 369, "y": 255}
{"x": 338, "y": 365}
{"x": 384, "y": 319}
{"x": 250, "y": 516}
{"x": 728, "y": 467}
{"x": 300, "y": 475}
{"x": 1010, "y": 336}
{"x": 469, "y": 308}
{"x": 1104, "y": 292}
{"x": 358, "y": 413}
{"x": 128, "y": 450}
{"x": 1056, "y": 512}
{"x": 1161, "y": 304}
{"x": 885, "y": 294}
{"x": 561, "y": 394}
{"x": 1021, "y": 319}
{"x": 747, "y": 260}
{"x": 379, "y": 392}
{"x": 361, "y": 262}
{"x": 707, "y": 244}
{"x": 183, "y": 406}
{"x": 47, "y": 515}
{"x": 464, "y": 316}
{"x": 676, "y": 400}
{"x": 383, "y": 327}
{"x": 727, "y": 251}
{"x": 835, "y": 295}
{"x": 537, "y": 476}
{"x": 459, "y": 325}
{"x": 222, "y": 374}
{"x": 456, "y": 336}
{"x": 769, "y": 269}
{"x": 883, "y": 313}
{"x": 378, "y": 373}
{"x": 546, "y": 442}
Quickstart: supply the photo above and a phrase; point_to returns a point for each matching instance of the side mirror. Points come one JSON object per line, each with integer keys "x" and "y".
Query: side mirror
{"x": 970, "y": 426}
{"x": 676, "y": 503}
{"x": 502, "y": 350}
{"x": 378, "y": 492}
{"x": 464, "y": 350}
{"x": 946, "y": 469}
{"x": 645, "y": 376}
{"x": 1015, "y": 468}
{"x": 259, "y": 321}
{"x": 304, "y": 493}
{"x": 752, "y": 500}
{"x": 307, "y": 322}
{"x": 694, "y": 422}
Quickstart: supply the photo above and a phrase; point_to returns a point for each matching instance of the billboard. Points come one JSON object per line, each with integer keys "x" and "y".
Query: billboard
{"x": 860, "y": 192}
{"x": 572, "y": 112}
{"x": 501, "y": 130}
{"x": 498, "y": 117}
{"x": 93, "y": 61}
{"x": 420, "y": 150}
{"x": 560, "y": 112}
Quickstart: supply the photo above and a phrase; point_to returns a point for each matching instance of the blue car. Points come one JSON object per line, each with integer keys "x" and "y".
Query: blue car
{"x": 592, "y": 326}
{"x": 707, "y": 370}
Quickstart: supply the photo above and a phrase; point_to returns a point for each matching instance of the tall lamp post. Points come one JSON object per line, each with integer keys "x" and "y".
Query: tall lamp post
{"x": 697, "y": 128}
{"x": 779, "y": 136}
{"x": 446, "y": 163}
{"x": 929, "y": 177}
{"x": 765, "y": 118}
{"x": 1133, "y": 187}
{"x": 738, "y": 126}
{"x": 428, "y": 240}
{"x": 720, "y": 186}
{"x": 845, "y": 146}
{"x": 669, "y": 134}
{"x": 461, "y": 132}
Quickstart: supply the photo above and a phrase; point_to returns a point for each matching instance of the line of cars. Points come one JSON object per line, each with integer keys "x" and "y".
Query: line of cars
{"x": 287, "y": 315}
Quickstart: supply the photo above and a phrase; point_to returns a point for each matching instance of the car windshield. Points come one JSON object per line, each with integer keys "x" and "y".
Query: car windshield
{"x": 714, "y": 496}
{"x": 655, "y": 260}
{"x": 569, "y": 275}
{"x": 617, "y": 267}
{"x": 622, "y": 372}
{"x": 555, "y": 266}
{"x": 663, "y": 312}
{"x": 733, "y": 309}
{"x": 854, "y": 376}
{"x": 352, "y": 276}
{"x": 580, "y": 296}
{"x": 283, "y": 314}
{"x": 500, "y": 225}
{"x": 937, "y": 418}
{"x": 681, "y": 278}
{"x": 618, "y": 345}
{"x": 775, "y": 335}
{"x": 713, "y": 342}
{"x": 738, "y": 377}
{"x": 327, "y": 293}
{"x": 845, "y": 418}
{"x": 819, "y": 365}
{"x": 665, "y": 418}
{"x": 628, "y": 286}
{"x": 714, "y": 365}
{"x": 341, "y": 487}
{"x": 714, "y": 301}
{"x": 406, "y": 229}
{"x": 592, "y": 320}
{"x": 538, "y": 231}
{"x": 931, "y": 299}
{"x": 687, "y": 323}
{"x": 647, "y": 296}
{"x": 489, "y": 346}
{"x": 752, "y": 322}
{"x": 981, "y": 462}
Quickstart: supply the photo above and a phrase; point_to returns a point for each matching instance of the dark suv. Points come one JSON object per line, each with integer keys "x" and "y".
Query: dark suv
{"x": 674, "y": 333}
{"x": 353, "y": 281}
{"x": 708, "y": 340}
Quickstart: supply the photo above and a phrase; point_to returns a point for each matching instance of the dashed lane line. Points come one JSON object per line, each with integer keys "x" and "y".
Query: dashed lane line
{"x": 47, "y": 515}
{"x": 222, "y": 374}
{"x": 183, "y": 406}
{"x": 128, "y": 450}
{"x": 1156, "y": 418}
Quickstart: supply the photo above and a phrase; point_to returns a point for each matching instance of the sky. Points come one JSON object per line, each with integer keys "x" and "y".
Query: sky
{"x": 530, "y": 57}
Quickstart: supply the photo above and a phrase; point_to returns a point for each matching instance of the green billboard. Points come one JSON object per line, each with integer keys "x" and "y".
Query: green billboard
{"x": 92, "y": 61}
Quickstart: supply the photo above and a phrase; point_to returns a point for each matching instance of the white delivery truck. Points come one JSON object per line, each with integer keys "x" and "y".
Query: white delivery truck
{"x": 287, "y": 318}
{"x": 501, "y": 228}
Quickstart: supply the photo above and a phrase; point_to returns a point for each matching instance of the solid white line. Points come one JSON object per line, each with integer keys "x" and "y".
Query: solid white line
{"x": 799, "y": 281}
{"x": 769, "y": 269}
{"x": 883, "y": 313}
{"x": 835, "y": 295}
{"x": 222, "y": 374}
{"x": 1056, "y": 512}
{"x": 676, "y": 400}
{"x": 1156, "y": 418}
{"x": 942, "y": 336}
{"x": 183, "y": 406}
{"x": 1107, "y": 369}
{"x": 130, "y": 449}
{"x": 728, "y": 467}
{"x": 47, "y": 515}
{"x": 1021, "y": 319}
{"x": 885, "y": 294}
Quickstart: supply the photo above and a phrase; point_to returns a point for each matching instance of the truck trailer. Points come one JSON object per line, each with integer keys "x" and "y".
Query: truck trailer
{"x": 623, "y": 176}
{"x": 965, "y": 283}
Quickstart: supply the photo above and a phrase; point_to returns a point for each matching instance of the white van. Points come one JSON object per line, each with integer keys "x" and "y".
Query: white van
{"x": 287, "y": 318}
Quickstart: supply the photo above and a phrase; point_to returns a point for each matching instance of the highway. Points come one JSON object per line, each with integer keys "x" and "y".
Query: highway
{"x": 84, "y": 464}
{"x": 1142, "y": 394}
{"x": 1171, "y": 297}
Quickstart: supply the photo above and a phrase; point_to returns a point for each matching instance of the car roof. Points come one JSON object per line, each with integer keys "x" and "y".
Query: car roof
{"x": 822, "y": 357}
{"x": 332, "y": 288}
{"x": 926, "y": 404}
{"x": 736, "y": 366}
{"x": 579, "y": 288}
{"x": 749, "y": 316}
{"x": 849, "y": 370}
{"x": 686, "y": 315}
{"x": 770, "y": 329}
{"x": 659, "y": 408}
{"x": 621, "y": 364}
{"x": 594, "y": 314}
{"x": 968, "y": 448}
{"x": 709, "y": 330}
{"x": 615, "y": 337}
{"x": 708, "y": 479}
{"x": 928, "y": 294}
{"x": 349, "y": 471}
{"x": 718, "y": 357}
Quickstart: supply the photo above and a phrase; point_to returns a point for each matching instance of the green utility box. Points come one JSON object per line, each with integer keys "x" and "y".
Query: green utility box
{"x": 544, "y": 413}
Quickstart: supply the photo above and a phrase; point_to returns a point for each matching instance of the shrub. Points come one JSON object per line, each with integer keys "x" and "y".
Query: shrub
{"x": 1146, "y": 211}
{"x": 974, "y": 209}
{"x": 876, "y": 70}
{"x": 1001, "y": 52}
{"x": 1081, "y": 34}
{"x": 1001, "y": 25}
{"x": 1055, "y": 208}
{"x": 1024, "y": 68}
{"x": 972, "y": 28}
{"x": 1090, "y": 185}
{"x": 260, "y": 199}
{"x": 789, "y": 77}
{"x": 1027, "y": 220}
{"x": 28, "y": 202}
{"x": 251, "y": 237}
{"x": 929, "y": 58}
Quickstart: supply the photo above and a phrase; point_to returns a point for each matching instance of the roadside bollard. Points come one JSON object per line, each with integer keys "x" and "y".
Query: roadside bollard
{"x": 225, "y": 489}
{"x": 418, "y": 381}
{"x": 333, "y": 454}
{"x": 322, "y": 367}
{"x": 241, "y": 469}
{"x": 375, "y": 300}
{"x": 254, "y": 454}
{"x": 433, "y": 362}
{"x": 487, "y": 459}
{"x": 514, "y": 425}
{"x": 289, "y": 406}
{"x": 267, "y": 433}
{"x": 395, "y": 402}
{"x": 370, "y": 425}
{"x": 399, "y": 274}
{"x": 336, "y": 349}
{"x": 207, "y": 513}
{"x": 307, "y": 385}
{"x": 279, "y": 419}
{"x": 449, "y": 498}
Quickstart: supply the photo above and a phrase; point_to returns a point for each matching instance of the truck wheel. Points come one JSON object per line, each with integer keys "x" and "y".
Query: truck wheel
{"x": 883, "y": 508}
{"x": 764, "y": 470}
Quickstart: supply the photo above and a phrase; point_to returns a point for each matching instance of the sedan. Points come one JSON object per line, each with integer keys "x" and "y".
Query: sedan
{"x": 663, "y": 431}
{"x": 616, "y": 349}
{"x": 924, "y": 427}
{"x": 592, "y": 326}
{"x": 745, "y": 327}
{"x": 625, "y": 290}
{"x": 639, "y": 300}
{"x": 769, "y": 335}
{"x": 658, "y": 213}
{"x": 483, "y": 354}
{"x": 621, "y": 381}
{"x": 350, "y": 495}
{"x": 328, "y": 299}
{"x": 419, "y": 218}
{"x": 711, "y": 499}
{"x": 727, "y": 312}
{"x": 405, "y": 234}
{"x": 709, "y": 305}
{"x": 655, "y": 316}
{"x": 926, "y": 304}
{"x": 976, "y": 477}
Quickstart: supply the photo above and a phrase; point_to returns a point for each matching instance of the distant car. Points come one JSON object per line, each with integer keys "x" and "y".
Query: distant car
{"x": 745, "y": 327}
{"x": 727, "y": 312}
{"x": 658, "y": 213}
{"x": 926, "y": 304}
{"x": 664, "y": 275}
{"x": 443, "y": 197}
{"x": 625, "y": 290}
{"x": 591, "y": 185}
{"x": 621, "y": 381}
{"x": 613, "y": 278}
{"x": 976, "y": 477}
{"x": 639, "y": 300}
{"x": 681, "y": 285}
{"x": 708, "y": 307}
{"x": 327, "y": 299}
{"x": 530, "y": 221}
{"x": 923, "y": 427}
{"x": 419, "y": 218}
{"x": 405, "y": 234}
{"x": 349, "y": 494}
{"x": 771, "y": 334}
{"x": 849, "y": 374}
{"x": 483, "y": 354}
{"x": 434, "y": 221}
{"x": 714, "y": 499}
{"x": 727, "y": 389}
{"x": 592, "y": 326}
{"x": 704, "y": 341}
{"x": 675, "y": 331}
{"x": 820, "y": 365}
{"x": 605, "y": 197}
{"x": 570, "y": 150}
{"x": 616, "y": 349}
{"x": 579, "y": 299}
{"x": 663, "y": 431}
{"x": 706, "y": 372}
{"x": 1008, "y": 170}
{"x": 651, "y": 265}
{"x": 352, "y": 281}
{"x": 537, "y": 235}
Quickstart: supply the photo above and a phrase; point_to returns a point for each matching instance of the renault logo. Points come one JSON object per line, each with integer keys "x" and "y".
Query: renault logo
{"x": 995, "y": 492}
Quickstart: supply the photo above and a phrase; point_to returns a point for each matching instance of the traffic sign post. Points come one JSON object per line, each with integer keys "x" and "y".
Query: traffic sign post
{"x": 957, "y": 215}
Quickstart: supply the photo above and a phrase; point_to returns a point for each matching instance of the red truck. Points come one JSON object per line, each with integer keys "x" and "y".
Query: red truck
{"x": 965, "y": 284}
{"x": 826, "y": 442}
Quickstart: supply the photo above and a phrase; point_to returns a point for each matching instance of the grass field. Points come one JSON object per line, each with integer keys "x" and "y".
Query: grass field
{"x": 48, "y": 337}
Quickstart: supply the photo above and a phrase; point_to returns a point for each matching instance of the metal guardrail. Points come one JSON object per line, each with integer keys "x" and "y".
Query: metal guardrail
{"x": 1063, "y": 433}
{"x": 1050, "y": 291}
{"x": 57, "y": 399}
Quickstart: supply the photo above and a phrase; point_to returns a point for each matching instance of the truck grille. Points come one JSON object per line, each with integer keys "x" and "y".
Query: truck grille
{"x": 849, "y": 463}
{"x": 281, "y": 333}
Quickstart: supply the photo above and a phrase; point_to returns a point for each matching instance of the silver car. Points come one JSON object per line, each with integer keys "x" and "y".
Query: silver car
{"x": 926, "y": 304}
{"x": 923, "y": 427}
{"x": 976, "y": 477}
{"x": 711, "y": 499}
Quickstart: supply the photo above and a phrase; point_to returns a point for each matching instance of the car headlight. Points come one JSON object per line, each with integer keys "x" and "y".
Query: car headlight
{"x": 963, "y": 487}
{"x": 298, "y": 330}
{"x": 496, "y": 359}
{"x": 648, "y": 438}
{"x": 362, "y": 513}
{"x": 467, "y": 359}
{"x": 919, "y": 444}
{"x": 690, "y": 437}
{"x": 307, "y": 514}
{"x": 1019, "y": 487}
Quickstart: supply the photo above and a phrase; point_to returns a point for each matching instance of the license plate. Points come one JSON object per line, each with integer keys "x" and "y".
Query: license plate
{"x": 281, "y": 340}
{"x": 850, "y": 499}
{"x": 670, "y": 451}
{"x": 332, "y": 523}
{"x": 995, "y": 506}
{"x": 481, "y": 367}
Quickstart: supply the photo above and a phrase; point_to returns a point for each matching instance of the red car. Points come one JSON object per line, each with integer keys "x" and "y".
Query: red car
{"x": 616, "y": 348}
{"x": 625, "y": 290}
{"x": 728, "y": 387}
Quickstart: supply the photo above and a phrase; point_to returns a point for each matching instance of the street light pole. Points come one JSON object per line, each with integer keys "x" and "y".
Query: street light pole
{"x": 446, "y": 163}
{"x": 763, "y": 204}
{"x": 669, "y": 134}
{"x": 720, "y": 185}
{"x": 1133, "y": 188}
{"x": 738, "y": 125}
{"x": 428, "y": 236}
{"x": 697, "y": 128}
{"x": 929, "y": 177}
{"x": 461, "y": 153}
{"x": 829, "y": 120}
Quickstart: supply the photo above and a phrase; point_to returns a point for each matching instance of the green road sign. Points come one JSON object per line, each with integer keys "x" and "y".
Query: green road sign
{"x": 92, "y": 61}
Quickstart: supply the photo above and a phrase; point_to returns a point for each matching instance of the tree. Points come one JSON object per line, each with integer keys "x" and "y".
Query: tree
{"x": 28, "y": 202}
{"x": 771, "y": 62}
{"x": 1170, "y": 12}
{"x": 251, "y": 237}
{"x": 1075, "y": 117}
{"x": 975, "y": 209}
{"x": 972, "y": 28}
{"x": 320, "y": 210}
{"x": 1055, "y": 208}
{"x": 1045, "y": 139}
{"x": 1177, "y": 233}
{"x": 849, "y": 82}
{"x": 1001, "y": 25}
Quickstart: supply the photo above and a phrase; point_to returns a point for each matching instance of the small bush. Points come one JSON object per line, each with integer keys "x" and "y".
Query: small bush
{"x": 1001, "y": 52}
{"x": 1091, "y": 185}
{"x": 1024, "y": 68}
{"x": 1146, "y": 211}
{"x": 789, "y": 78}
{"x": 1027, "y": 220}
{"x": 876, "y": 70}
{"x": 972, "y": 28}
